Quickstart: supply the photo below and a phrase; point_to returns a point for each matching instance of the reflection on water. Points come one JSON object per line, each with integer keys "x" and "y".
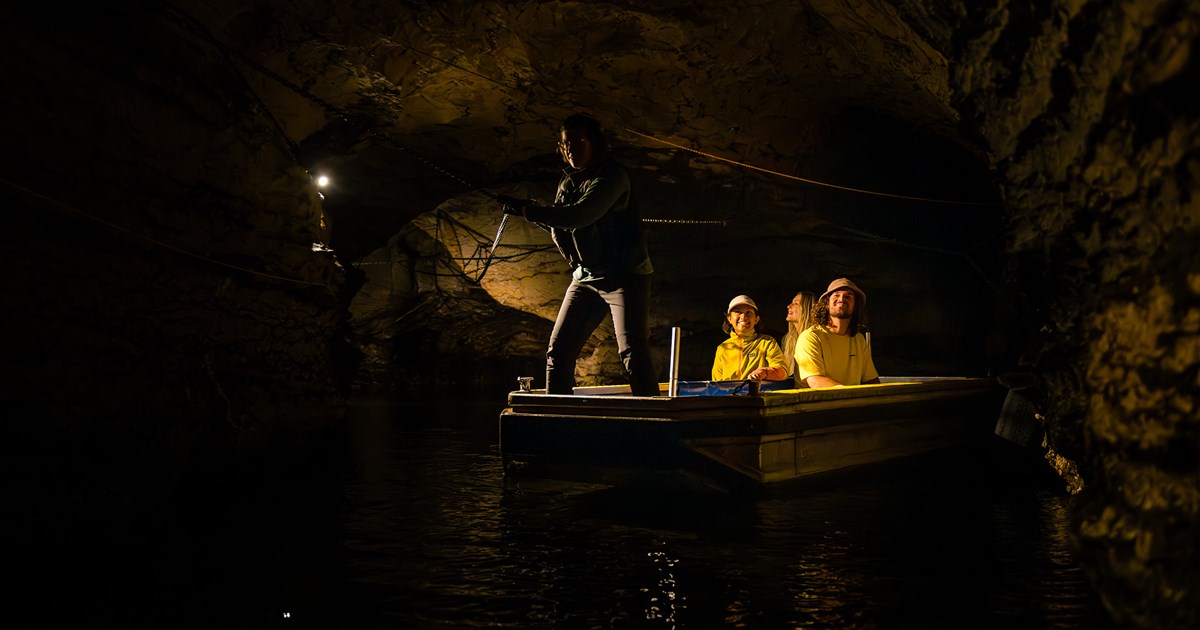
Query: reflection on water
{"x": 432, "y": 537}
{"x": 406, "y": 521}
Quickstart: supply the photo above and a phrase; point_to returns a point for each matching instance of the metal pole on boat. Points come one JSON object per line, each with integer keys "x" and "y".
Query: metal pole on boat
{"x": 673, "y": 380}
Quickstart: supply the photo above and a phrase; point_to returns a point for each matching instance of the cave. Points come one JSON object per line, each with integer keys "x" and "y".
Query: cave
{"x": 1013, "y": 183}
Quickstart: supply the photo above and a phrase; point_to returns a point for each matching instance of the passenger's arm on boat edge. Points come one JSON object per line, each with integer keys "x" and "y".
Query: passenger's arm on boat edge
{"x": 818, "y": 380}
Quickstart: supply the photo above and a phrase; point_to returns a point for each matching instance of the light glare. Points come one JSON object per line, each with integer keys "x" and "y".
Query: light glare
{"x": 322, "y": 181}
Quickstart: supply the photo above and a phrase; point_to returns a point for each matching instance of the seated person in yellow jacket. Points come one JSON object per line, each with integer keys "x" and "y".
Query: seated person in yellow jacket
{"x": 833, "y": 351}
{"x": 746, "y": 354}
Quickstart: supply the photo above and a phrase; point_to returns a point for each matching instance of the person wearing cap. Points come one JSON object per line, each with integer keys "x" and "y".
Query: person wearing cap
{"x": 746, "y": 354}
{"x": 596, "y": 225}
{"x": 834, "y": 351}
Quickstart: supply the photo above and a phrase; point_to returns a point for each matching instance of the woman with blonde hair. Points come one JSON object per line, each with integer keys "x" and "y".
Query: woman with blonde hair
{"x": 799, "y": 312}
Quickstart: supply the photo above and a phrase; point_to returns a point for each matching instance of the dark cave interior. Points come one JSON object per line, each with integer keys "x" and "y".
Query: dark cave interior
{"x": 182, "y": 293}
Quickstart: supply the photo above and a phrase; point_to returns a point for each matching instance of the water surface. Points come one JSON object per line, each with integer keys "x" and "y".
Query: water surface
{"x": 404, "y": 520}
{"x": 433, "y": 537}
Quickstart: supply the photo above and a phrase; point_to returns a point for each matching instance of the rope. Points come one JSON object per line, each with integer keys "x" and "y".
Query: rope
{"x": 798, "y": 178}
{"x": 143, "y": 237}
{"x": 687, "y": 222}
{"x": 868, "y": 237}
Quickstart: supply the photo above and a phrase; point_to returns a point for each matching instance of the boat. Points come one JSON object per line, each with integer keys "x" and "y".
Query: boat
{"x": 728, "y": 431}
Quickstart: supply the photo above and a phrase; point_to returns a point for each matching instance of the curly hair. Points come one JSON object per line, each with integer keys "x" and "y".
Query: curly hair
{"x": 858, "y": 321}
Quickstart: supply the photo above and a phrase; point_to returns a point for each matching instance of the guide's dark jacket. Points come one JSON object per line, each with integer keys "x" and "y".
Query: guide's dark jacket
{"x": 595, "y": 223}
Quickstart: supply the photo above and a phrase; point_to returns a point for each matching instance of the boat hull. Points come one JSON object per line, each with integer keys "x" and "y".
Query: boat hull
{"x": 765, "y": 439}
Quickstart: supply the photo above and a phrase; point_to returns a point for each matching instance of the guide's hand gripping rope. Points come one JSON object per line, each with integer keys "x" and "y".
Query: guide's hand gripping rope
{"x": 510, "y": 206}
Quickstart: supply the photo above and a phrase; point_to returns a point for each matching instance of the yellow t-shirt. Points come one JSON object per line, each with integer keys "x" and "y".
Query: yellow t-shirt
{"x": 740, "y": 355}
{"x": 842, "y": 358}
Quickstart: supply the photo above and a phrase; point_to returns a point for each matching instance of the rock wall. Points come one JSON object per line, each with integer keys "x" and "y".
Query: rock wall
{"x": 1087, "y": 113}
{"x": 166, "y": 307}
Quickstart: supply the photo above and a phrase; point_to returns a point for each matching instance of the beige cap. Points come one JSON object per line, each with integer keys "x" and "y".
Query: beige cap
{"x": 844, "y": 283}
{"x": 741, "y": 299}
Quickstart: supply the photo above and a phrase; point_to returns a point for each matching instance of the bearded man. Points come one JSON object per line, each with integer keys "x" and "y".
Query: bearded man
{"x": 833, "y": 351}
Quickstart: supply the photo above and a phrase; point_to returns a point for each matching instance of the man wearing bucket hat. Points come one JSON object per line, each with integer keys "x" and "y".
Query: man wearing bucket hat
{"x": 833, "y": 351}
{"x": 746, "y": 354}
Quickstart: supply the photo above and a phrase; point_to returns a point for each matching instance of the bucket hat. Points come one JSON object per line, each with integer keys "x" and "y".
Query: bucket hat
{"x": 845, "y": 283}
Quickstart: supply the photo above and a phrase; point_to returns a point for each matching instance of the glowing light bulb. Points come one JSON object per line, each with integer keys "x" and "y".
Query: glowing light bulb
{"x": 322, "y": 181}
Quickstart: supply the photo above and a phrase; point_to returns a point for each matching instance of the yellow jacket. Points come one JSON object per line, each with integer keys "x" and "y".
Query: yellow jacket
{"x": 740, "y": 355}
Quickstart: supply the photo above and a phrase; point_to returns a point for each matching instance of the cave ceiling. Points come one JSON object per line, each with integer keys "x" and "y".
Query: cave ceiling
{"x": 775, "y": 146}
{"x": 406, "y": 105}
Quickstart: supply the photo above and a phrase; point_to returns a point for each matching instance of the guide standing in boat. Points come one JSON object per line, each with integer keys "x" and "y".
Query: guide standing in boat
{"x": 833, "y": 351}
{"x": 746, "y": 354}
{"x": 595, "y": 224}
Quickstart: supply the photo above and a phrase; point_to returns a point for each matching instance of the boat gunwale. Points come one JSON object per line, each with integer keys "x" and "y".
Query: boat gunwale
{"x": 799, "y": 416}
{"x": 665, "y": 405}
